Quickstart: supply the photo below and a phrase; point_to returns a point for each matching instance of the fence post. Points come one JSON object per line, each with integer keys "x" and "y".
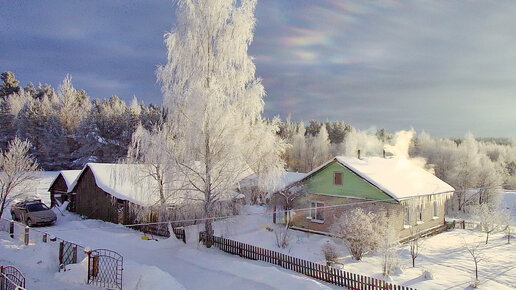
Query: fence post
{"x": 44, "y": 237}
{"x": 463, "y": 225}
{"x": 74, "y": 250}
{"x": 61, "y": 248}
{"x": 88, "y": 252}
{"x": 26, "y": 239}
{"x": 11, "y": 229}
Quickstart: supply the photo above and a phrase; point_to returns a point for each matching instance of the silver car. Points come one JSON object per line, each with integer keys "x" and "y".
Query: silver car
{"x": 33, "y": 213}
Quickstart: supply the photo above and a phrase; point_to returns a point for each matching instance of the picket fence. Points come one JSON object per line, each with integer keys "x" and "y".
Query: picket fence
{"x": 315, "y": 270}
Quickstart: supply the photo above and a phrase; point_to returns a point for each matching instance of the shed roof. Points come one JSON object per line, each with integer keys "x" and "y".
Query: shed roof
{"x": 130, "y": 182}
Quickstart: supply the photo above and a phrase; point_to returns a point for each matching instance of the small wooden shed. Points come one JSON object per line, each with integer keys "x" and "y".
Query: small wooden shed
{"x": 59, "y": 188}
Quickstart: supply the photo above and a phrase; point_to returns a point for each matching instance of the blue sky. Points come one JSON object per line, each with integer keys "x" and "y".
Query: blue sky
{"x": 446, "y": 67}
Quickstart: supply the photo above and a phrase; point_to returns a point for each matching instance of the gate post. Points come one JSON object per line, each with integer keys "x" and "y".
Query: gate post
{"x": 74, "y": 251}
{"x": 11, "y": 229}
{"x": 61, "y": 248}
{"x": 26, "y": 239}
{"x": 88, "y": 252}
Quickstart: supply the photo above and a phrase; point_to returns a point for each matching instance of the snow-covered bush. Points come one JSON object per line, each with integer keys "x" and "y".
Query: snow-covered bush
{"x": 359, "y": 230}
{"x": 427, "y": 275}
{"x": 330, "y": 252}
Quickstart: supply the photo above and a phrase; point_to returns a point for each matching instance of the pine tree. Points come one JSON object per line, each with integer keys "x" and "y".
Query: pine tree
{"x": 9, "y": 84}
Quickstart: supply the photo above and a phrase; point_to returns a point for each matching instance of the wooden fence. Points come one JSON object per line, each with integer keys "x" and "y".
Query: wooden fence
{"x": 308, "y": 268}
{"x": 162, "y": 230}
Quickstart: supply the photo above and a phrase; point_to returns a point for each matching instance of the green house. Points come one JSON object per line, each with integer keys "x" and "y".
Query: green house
{"x": 412, "y": 198}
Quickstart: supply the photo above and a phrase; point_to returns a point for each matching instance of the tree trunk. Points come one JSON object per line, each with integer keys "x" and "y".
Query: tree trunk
{"x": 487, "y": 237}
{"x": 476, "y": 270}
{"x": 3, "y": 206}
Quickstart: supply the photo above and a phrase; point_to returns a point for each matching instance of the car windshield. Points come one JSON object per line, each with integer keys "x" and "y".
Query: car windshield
{"x": 36, "y": 207}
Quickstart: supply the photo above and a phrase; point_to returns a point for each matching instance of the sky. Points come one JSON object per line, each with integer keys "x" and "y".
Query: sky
{"x": 445, "y": 67}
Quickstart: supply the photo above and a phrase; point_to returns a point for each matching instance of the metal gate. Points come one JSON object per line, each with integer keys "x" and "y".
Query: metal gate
{"x": 67, "y": 254}
{"x": 11, "y": 278}
{"x": 105, "y": 268}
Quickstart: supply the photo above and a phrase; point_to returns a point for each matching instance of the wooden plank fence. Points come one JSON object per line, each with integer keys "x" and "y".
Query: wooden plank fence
{"x": 315, "y": 270}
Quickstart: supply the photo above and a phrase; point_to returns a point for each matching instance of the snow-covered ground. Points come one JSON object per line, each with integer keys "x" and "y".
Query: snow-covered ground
{"x": 189, "y": 266}
{"x": 443, "y": 255}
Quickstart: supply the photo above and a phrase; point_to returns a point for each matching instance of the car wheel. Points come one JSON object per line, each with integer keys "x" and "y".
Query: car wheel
{"x": 29, "y": 222}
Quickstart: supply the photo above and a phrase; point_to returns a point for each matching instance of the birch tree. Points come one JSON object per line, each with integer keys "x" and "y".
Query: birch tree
{"x": 17, "y": 171}
{"x": 215, "y": 102}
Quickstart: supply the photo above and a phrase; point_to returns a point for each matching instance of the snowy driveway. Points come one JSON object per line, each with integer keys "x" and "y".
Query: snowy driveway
{"x": 195, "y": 267}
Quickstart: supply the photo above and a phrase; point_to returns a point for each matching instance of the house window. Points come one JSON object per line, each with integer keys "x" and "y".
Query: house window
{"x": 436, "y": 209}
{"x": 420, "y": 213}
{"x": 407, "y": 218}
{"x": 316, "y": 211}
{"x": 337, "y": 178}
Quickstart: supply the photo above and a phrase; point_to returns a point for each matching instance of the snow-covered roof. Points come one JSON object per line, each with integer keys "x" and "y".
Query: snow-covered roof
{"x": 70, "y": 176}
{"x": 286, "y": 178}
{"x": 397, "y": 176}
{"x": 130, "y": 182}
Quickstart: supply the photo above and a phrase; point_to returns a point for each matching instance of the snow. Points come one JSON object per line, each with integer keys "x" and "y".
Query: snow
{"x": 168, "y": 262}
{"x": 285, "y": 179}
{"x": 70, "y": 176}
{"x": 508, "y": 201}
{"x": 443, "y": 262}
{"x": 397, "y": 176}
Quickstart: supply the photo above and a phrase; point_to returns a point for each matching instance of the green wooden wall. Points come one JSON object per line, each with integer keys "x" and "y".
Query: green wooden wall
{"x": 352, "y": 185}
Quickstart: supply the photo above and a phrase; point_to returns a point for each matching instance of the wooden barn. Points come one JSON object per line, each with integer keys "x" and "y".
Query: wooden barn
{"x": 123, "y": 193}
{"x": 60, "y": 187}
{"x": 109, "y": 193}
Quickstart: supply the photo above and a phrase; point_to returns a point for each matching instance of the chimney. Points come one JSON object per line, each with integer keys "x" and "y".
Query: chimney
{"x": 358, "y": 154}
{"x": 383, "y": 153}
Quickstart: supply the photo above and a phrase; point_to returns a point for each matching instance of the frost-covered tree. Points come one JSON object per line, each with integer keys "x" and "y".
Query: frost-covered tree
{"x": 9, "y": 85}
{"x": 415, "y": 245}
{"x": 360, "y": 231}
{"x": 106, "y": 133}
{"x": 465, "y": 173}
{"x": 288, "y": 198}
{"x": 318, "y": 150}
{"x": 215, "y": 102}
{"x": 152, "y": 151}
{"x": 477, "y": 254}
{"x": 10, "y": 106}
{"x": 17, "y": 171}
{"x": 357, "y": 140}
{"x": 488, "y": 216}
{"x": 71, "y": 105}
{"x": 298, "y": 150}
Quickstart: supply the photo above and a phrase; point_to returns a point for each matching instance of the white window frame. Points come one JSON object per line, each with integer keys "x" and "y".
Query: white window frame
{"x": 436, "y": 210}
{"x": 420, "y": 213}
{"x": 407, "y": 216}
{"x": 314, "y": 205}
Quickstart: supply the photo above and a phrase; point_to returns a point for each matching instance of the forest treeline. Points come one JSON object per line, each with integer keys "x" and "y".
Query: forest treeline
{"x": 66, "y": 130}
